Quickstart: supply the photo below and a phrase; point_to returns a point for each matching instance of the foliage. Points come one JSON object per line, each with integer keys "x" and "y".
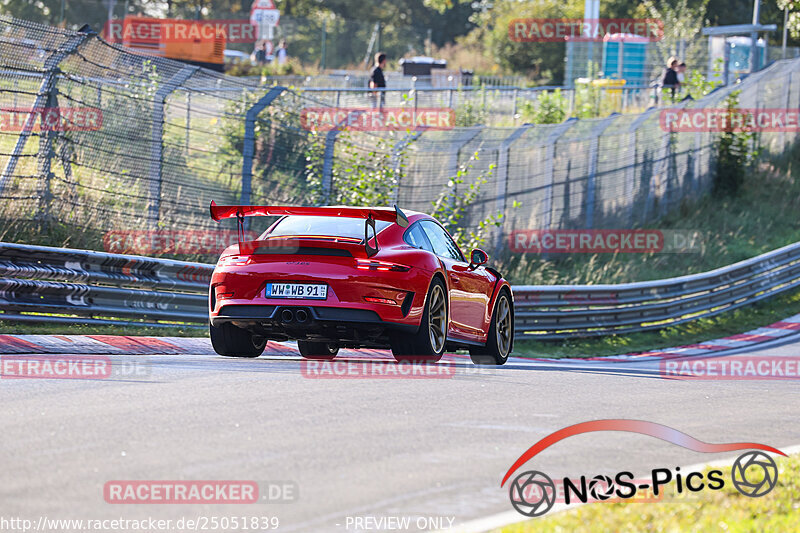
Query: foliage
{"x": 370, "y": 176}
{"x": 451, "y": 207}
{"x": 550, "y": 107}
{"x": 541, "y": 60}
{"x": 682, "y": 22}
{"x": 733, "y": 153}
{"x": 697, "y": 86}
{"x": 470, "y": 112}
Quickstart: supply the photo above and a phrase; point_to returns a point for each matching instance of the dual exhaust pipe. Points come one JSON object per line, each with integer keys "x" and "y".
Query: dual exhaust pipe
{"x": 289, "y": 316}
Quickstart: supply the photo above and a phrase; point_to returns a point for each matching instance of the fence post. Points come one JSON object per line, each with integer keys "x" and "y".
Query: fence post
{"x": 188, "y": 118}
{"x": 514, "y": 109}
{"x": 698, "y": 151}
{"x": 549, "y": 156}
{"x": 503, "y": 171}
{"x": 248, "y": 151}
{"x": 591, "y": 178}
{"x": 630, "y": 171}
{"x": 786, "y": 91}
{"x": 397, "y": 159}
{"x": 327, "y": 160}
{"x": 46, "y": 90}
{"x": 157, "y": 142}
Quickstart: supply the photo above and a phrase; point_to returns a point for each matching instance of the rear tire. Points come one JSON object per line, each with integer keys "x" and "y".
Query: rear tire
{"x": 501, "y": 334}
{"x": 428, "y": 343}
{"x": 231, "y": 341}
{"x": 317, "y": 350}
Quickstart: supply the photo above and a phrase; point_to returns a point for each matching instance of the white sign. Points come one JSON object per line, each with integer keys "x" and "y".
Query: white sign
{"x": 262, "y": 4}
{"x": 264, "y": 16}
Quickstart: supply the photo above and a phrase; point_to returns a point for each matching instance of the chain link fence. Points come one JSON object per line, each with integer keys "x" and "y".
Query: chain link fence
{"x": 167, "y": 138}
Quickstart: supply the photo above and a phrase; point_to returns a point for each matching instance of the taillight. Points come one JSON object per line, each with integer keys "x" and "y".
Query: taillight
{"x": 234, "y": 260}
{"x": 373, "y": 264}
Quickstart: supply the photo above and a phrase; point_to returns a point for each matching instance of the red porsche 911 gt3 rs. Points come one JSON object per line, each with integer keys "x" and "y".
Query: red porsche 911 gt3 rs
{"x": 352, "y": 277}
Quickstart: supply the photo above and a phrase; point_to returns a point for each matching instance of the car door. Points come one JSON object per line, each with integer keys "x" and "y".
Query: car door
{"x": 467, "y": 289}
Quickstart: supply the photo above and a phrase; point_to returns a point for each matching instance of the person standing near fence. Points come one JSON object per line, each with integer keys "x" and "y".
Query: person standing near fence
{"x": 377, "y": 80}
{"x": 670, "y": 79}
{"x": 259, "y": 55}
{"x": 282, "y": 55}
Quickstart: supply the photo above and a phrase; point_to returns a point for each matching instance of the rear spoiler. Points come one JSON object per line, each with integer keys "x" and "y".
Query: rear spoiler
{"x": 370, "y": 215}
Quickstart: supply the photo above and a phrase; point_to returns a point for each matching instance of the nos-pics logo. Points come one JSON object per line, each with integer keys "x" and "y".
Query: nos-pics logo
{"x": 533, "y": 493}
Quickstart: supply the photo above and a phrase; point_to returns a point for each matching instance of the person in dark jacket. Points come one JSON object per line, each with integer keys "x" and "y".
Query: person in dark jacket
{"x": 670, "y": 79}
{"x": 377, "y": 80}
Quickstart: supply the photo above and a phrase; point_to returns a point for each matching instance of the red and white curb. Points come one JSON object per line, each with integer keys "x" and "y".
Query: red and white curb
{"x": 134, "y": 345}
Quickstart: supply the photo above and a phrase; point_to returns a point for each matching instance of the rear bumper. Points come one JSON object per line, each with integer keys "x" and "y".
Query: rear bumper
{"x": 309, "y": 322}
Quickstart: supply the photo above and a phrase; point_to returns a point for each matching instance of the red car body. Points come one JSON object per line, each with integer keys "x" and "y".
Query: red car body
{"x": 376, "y": 286}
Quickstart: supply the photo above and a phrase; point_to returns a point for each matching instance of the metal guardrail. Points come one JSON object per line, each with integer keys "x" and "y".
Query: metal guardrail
{"x": 43, "y": 284}
{"x": 560, "y": 311}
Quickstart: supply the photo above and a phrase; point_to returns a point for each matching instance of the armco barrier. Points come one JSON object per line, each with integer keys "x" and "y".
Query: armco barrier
{"x": 42, "y": 284}
{"x": 100, "y": 288}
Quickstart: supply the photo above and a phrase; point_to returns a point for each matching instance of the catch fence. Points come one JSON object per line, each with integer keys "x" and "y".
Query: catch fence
{"x": 169, "y": 138}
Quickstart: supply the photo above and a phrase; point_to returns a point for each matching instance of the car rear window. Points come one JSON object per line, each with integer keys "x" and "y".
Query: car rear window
{"x": 324, "y": 226}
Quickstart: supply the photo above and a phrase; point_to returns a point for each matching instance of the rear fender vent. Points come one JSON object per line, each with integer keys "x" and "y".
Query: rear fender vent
{"x": 406, "y": 307}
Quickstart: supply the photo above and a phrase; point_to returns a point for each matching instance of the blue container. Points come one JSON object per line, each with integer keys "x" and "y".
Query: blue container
{"x": 625, "y": 58}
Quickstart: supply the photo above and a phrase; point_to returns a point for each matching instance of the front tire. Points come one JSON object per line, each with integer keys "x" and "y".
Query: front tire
{"x": 231, "y": 341}
{"x": 324, "y": 351}
{"x": 427, "y": 344}
{"x": 501, "y": 334}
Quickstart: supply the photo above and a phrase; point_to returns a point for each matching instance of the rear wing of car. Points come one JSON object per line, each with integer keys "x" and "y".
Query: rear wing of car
{"x": 369, "y": 214}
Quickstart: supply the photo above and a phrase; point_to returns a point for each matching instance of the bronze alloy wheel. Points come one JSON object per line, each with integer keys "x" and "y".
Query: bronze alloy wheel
{"x": 437, "y": 318}
{"x": 503, "y": 328}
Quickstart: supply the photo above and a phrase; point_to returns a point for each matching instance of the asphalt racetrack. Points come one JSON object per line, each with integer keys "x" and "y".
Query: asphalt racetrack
{"x": 350, "y": 451}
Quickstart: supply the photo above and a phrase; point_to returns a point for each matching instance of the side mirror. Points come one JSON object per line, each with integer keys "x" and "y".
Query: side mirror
{"x": 477, "y": 258}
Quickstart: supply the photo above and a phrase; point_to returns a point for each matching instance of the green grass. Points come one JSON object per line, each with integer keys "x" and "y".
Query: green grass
{"x": 762, "y": 217}
{"x": 729, "y": 323}
{"x": 724, "y": 510}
